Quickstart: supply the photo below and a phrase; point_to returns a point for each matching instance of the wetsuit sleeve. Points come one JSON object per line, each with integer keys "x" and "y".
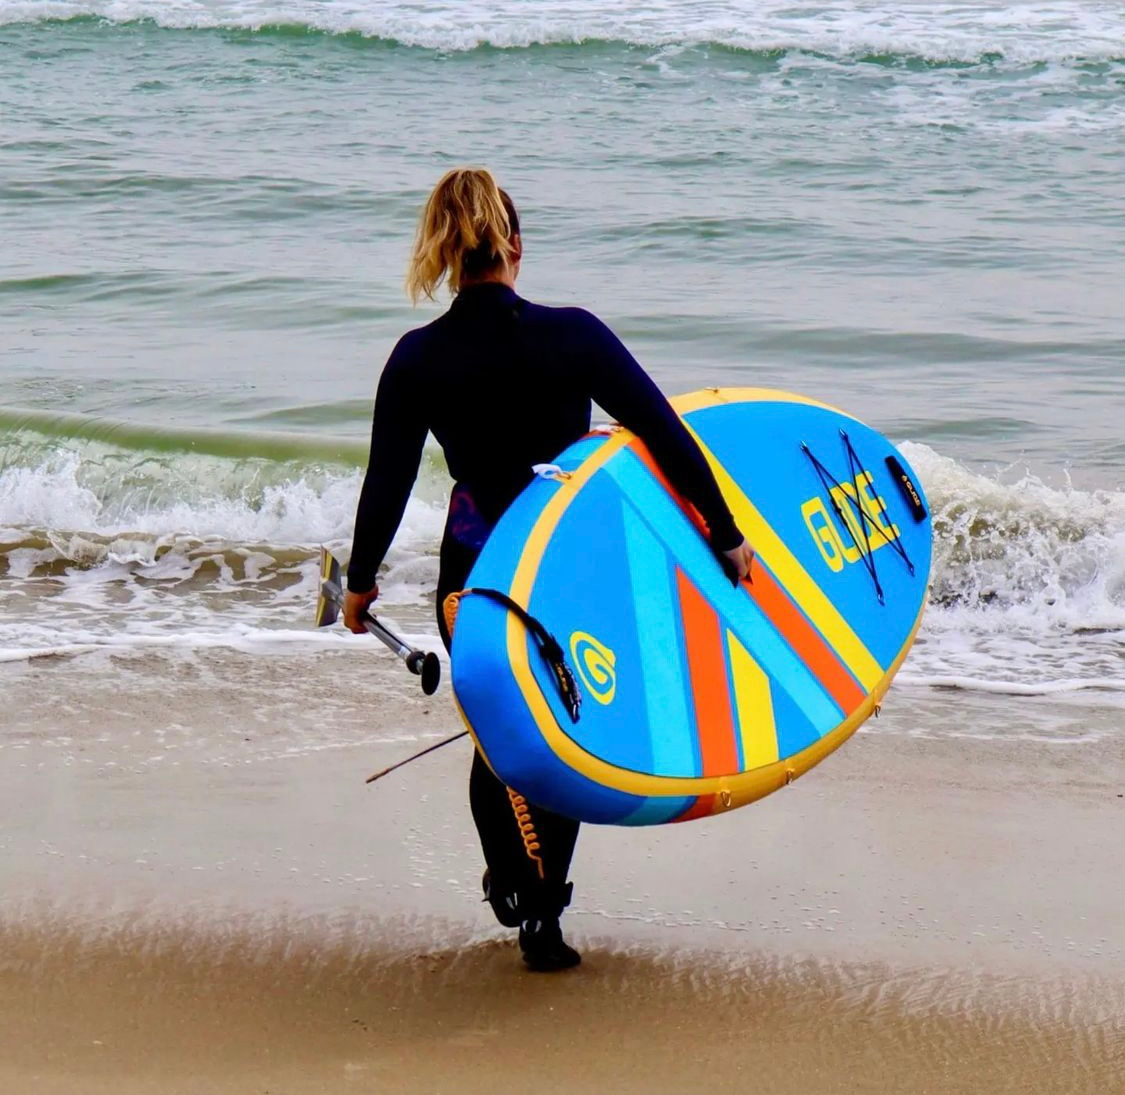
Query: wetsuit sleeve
{"x": 619, "y": 385}
{"x": 398, "y": 432}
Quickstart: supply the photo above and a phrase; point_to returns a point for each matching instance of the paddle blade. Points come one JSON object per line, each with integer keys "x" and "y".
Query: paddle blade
{"x": 431, "y": 674}
{"x": 328, "y": 598}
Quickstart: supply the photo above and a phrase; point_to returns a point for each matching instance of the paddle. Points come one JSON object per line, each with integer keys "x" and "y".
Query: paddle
{"x": 331, "y": 599}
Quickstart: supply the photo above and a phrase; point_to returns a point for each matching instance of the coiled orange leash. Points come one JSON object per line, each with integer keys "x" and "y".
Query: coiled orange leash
{"x": 449, "y": 609}
{"x": 520, "y": 806}
{"x": 527, "y": 829}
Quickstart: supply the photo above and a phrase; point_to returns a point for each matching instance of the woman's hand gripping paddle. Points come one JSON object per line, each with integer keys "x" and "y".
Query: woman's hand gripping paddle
{"x": 331, "y": 599}
{"x": 424, "y": 664}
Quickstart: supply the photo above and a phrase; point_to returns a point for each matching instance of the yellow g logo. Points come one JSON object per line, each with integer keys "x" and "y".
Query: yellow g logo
{"x": 595, "y": 663}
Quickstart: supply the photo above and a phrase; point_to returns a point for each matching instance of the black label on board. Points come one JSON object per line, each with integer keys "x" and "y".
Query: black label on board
{"x": 910, "y": 493}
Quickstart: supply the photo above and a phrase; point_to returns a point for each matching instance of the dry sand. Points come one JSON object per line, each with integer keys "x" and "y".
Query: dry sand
{"x": 200, "y": 895}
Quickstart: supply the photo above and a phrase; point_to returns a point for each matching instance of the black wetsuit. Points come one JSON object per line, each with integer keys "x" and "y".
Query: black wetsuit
{"x": 504, "y": 384}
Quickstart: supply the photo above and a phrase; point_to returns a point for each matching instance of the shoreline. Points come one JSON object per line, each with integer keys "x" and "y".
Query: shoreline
{"x": 198, "y": 893}
{"x": 236, "y": 783}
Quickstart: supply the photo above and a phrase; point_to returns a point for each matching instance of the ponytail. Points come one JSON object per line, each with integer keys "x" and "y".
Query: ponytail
{"x": 467, "y": 229}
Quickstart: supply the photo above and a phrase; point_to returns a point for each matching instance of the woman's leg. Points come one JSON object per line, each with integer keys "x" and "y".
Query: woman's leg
{"x": 527, "y": 848}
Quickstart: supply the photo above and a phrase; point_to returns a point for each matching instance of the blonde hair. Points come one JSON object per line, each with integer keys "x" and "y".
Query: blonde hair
{"x": 467, "y": 229}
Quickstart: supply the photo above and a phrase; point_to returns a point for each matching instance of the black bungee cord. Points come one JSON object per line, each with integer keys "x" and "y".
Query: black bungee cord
{"x": 835, "y": 489}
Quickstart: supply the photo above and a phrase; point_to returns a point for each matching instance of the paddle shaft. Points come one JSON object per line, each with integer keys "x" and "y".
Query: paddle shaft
{"x": 413, "y": 658}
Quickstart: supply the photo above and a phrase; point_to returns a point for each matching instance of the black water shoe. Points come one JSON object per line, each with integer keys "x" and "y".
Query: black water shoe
{"x": 543, "y": 947}
{"x": 505, "y": 906}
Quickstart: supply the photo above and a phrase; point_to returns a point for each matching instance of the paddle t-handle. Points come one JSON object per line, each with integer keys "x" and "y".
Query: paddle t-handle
{"x": 330, "y": 601}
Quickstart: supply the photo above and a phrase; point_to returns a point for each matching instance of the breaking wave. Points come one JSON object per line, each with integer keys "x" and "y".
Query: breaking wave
{"x": 1028, "y": 593}
{"x": 850, "y": 30}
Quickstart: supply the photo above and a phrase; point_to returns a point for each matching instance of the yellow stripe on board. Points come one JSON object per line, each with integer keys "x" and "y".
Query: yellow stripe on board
{"x": 794, "y": 578}
{"x": 756, "y": 725}
{"x": 713, "y": 397}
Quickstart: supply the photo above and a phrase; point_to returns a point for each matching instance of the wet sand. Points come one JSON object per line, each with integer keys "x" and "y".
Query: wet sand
{"x": 201, "y": 895}
{"x": 231, "y": 1015}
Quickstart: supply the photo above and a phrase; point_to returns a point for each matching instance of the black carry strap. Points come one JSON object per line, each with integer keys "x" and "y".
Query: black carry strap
{"x": 548, "y": 647}
{"x": 835, "y": 489}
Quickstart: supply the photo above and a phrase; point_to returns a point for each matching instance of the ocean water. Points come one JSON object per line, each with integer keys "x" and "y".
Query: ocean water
{"x": 913, "y": 211}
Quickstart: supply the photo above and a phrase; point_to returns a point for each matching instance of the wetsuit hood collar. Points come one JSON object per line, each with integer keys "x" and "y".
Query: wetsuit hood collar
{"x": 485, "y": 292}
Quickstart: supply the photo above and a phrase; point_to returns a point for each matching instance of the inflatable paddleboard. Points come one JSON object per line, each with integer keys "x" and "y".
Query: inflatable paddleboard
{"x": 610, "y": 670}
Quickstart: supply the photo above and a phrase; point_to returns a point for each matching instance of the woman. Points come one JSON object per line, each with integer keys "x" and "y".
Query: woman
{"x": 504, "y": 384}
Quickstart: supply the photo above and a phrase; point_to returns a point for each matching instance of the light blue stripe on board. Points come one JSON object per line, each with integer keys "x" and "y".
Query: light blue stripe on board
{"x": 740, "y": 613}
{"x": 675, "y": 745}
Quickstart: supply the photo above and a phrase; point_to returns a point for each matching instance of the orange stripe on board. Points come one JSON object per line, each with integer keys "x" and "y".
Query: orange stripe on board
{"x": 781, "y": 611}
{"x": 710, "y": 689}
{"x": 805, "y": 640}
{"x": 704, "y": 806}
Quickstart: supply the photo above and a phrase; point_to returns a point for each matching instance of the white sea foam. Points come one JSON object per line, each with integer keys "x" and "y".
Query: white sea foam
{"x": 950, "y": 31}
{"x": 1017, "y": 688}
{"x": 110, "y": 548}
{"x": 1028, "y": 585}
{"x": 1012, "y": 540}
{"x": 98, "y": 491}
{"x": 244, "y": 637}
